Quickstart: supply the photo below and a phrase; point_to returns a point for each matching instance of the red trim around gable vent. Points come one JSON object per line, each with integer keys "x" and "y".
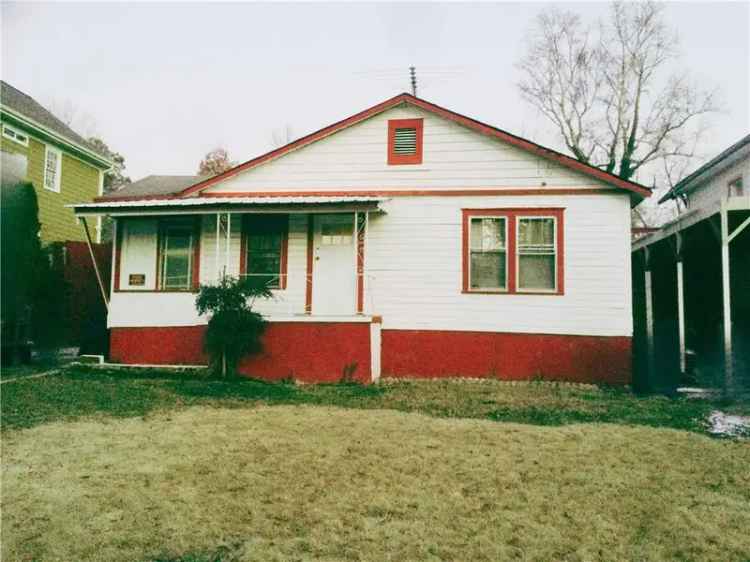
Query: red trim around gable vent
{"x": 473, "y": 124}
{"x": 399, "y": 159}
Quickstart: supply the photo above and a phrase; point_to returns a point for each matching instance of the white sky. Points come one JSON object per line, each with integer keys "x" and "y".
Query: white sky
{"x": 165, "y": 83}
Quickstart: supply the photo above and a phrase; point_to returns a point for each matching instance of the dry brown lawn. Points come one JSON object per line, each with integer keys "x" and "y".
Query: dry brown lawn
{"x": 321, "y": 483}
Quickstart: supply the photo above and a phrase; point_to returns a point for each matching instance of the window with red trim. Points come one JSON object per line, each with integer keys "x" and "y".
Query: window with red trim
{"x": 264, "y": 251}
{"x": 405, "y": 141}
{"x": 513, "y": 251}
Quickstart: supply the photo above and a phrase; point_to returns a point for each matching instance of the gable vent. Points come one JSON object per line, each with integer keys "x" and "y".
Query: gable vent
{"x": 405, "y": 141}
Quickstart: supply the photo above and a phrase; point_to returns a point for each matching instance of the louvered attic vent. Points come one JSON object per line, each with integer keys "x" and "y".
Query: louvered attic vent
{"x": 405, "y": 141}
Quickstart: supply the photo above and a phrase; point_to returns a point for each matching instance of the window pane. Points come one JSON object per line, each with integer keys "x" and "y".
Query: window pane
{"x": 178, "y": 241}
{"x": 336, "y": 233}
{"x": 176, "y": 272}
{"x": 487, "y": 234}
{"x": 536, "y": 272}
{"x": 536, "y": 232}
{"x": 177, "y": 250}
{"x": 264, "y": 257}
{"x": 488, "y": 270}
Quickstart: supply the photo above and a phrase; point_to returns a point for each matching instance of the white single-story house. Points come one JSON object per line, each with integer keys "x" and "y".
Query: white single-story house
{"x": 404, "y": 241}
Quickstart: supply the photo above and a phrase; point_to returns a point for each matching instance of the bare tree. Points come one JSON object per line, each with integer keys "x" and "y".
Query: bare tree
{"x": 215, "y": 162}
{"x": 607, "y": 89}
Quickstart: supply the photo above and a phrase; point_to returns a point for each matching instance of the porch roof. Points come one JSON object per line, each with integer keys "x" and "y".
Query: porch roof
{"x": 210, "y": 205}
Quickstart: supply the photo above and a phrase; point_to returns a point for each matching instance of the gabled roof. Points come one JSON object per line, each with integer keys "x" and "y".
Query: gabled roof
{"x": 18, "y": 104}
{"x": 705, "y": 172}
{"x": 468, "y": 122}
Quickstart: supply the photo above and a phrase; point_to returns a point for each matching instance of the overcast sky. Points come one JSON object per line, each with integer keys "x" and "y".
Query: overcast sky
{"x": 165, "y": 83}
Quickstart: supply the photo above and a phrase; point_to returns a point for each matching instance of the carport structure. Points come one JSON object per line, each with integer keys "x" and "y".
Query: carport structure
{"x": 692, "y": 281}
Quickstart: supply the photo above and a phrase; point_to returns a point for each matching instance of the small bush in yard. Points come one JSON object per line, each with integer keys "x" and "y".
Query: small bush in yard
{"x": 234, "y": 329}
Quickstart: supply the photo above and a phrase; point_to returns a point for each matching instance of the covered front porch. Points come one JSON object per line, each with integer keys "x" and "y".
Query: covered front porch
{"x": 310, "y": 251}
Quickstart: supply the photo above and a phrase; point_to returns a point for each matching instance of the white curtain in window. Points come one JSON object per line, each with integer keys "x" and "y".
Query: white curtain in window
{"x": 536, "y": 253}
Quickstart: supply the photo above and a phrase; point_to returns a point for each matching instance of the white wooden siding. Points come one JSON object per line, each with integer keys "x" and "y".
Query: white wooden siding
{"x": 356, "y": 158}
{"x": 413, "y": 255}
{"x": 413, "y": 272}
{"x": 710, "y": 194}
{"x": 414, "y": 269}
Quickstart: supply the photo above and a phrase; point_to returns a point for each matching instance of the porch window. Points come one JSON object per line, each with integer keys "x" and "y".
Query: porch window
{"x": 405, "y": 141}
{"x": 265, "y": 244}
{"x": 177, "y": 247}
{"x": 536, "y": 253}
{"x": 513, "y": 251}
{"x": 488, "y": 266}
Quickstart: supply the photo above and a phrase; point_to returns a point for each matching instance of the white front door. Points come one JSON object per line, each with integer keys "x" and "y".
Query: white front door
{"x": 334, "y": 265}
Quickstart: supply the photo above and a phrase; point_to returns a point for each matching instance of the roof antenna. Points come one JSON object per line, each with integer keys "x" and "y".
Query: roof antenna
{"x": 413, "y": 74}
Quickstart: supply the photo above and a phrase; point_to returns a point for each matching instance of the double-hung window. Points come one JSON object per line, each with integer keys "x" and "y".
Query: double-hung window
{"x": 264, "y": 255}
{"x": 52, "y": 169}
{"x": 176, "y": 254}
{"x": 513, "y": 251}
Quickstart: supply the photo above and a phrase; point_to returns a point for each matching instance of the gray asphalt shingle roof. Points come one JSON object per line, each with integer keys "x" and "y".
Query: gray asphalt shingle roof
{"x": 24, "y": 104}
{"x": 155, "y": 185}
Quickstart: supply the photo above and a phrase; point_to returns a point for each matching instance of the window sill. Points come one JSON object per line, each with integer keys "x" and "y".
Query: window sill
{"x": 193, "y": 291}
{"x": 514, "y": 293}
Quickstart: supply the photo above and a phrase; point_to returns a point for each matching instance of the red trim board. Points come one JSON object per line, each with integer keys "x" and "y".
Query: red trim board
{"x": 309, "y": 264}
{"x": 468, "y": 122}
{"x": 360, "y": 232}
{"x": 366, "y": 192}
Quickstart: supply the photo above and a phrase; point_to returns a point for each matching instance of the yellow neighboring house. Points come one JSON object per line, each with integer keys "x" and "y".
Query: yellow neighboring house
{"x": 63, "y": 167}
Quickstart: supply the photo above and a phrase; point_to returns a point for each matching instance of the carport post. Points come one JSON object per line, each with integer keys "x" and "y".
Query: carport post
{"x": 649, "y": 312}
{"x": 680, "y": 302}
{"x": 726, "y": 295}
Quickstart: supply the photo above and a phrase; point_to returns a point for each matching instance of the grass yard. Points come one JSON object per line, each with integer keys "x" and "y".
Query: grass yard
{"x": 104, "y": 466}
